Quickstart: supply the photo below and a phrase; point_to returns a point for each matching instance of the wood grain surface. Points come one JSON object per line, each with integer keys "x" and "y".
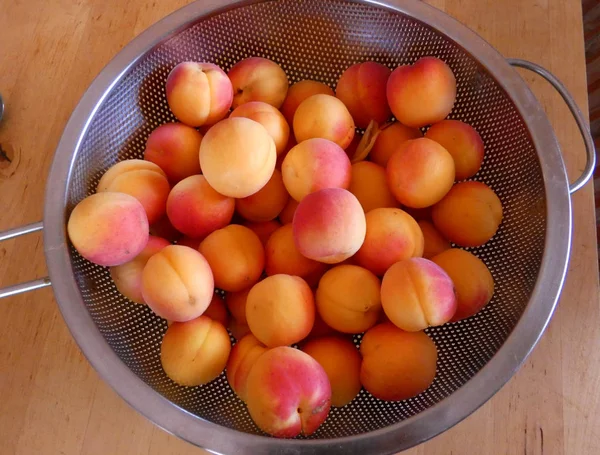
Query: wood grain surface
{"x": 53, "y": 402}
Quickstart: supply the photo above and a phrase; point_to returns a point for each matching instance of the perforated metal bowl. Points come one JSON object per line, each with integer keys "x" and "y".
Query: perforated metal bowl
{"x": 315, "y": 39}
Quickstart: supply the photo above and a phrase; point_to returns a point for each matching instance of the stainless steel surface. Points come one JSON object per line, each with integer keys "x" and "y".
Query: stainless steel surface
{"x": 29, "y": 285}
{"x": 588, "y": 140}
{"x": 21, "y": 230}
{"x": 24, "y": 287}
{"x": 318, "y": 39}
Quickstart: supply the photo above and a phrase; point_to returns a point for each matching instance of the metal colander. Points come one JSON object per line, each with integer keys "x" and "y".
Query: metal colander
{"x": 314, "y": 39}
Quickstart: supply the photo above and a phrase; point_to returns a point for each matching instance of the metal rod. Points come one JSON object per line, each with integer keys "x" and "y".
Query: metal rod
{"x": 584, "y": 129}
{"x": 29, "y": 285}
{"x": 22, "y": 230}
{"x": 24, "y": 287}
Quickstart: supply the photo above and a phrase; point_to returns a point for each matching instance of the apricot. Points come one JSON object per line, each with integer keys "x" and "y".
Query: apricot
{"x": 462, "y": 142}
{"x": 416, "y": 293}
{"x": 190, "y": 242}
{"x": 365, "y": 144}
{"x": 422, "y": 93}
{"x": 267, "y": 203}
{"x": 313, "y": 165}
{"x": 141, "y": 179}
{"x": 238, "y": 329}
{"x": 236, "y": 304}
{"x": 352, "y": 148}
{"x": 163, "y": 228}
{"x": 348, "y": 298}
{"x": 288, "y": 393}
{"x": 280, "y": 310}
{"x": 289, "y": 146}
{"x": 199, "y": 93}
{"x": 420, "y": 173}
{"x": 282, "y": 257}
{"x": 341, "y": 361}
{"x": 320, "y": 329}
{"x": 472, "y": 280}
{"x": 128, "y": 277}
{"x": 369, "y": 185}
{"x": 263, "y": 229}
{"x": 298, "y": 92}
{"x": 236, "y": 257}
{"x": 329, "y": 225}
{"x": 389, "y": 139}
{"x": 392, "y": 235}
{"x": 383, "y": 318}
{"x": 396, "y": 365}
{"x": 287, "y": 214}
{"x": 95, "y": 220}
{"x": 174, "y": 148}
{"x": 433, "y": 242}
{"x": 243, "y": 356}
{"x": 269, "y": 117}
{"x": 362, "y": 88}
{"x": 196, "y": 209}
{"x": 258, "y": 79}
{"x": 350, "y": 261}
{"x": 177, "y": 283}
{"x": 326, "y": 117}
{"x": 469, "y": 215}
{"x": 195, "y": 352}
{"x": 216, "y": 310}
{"x": 237, "y": 157}
{"x": 419, "y": 214}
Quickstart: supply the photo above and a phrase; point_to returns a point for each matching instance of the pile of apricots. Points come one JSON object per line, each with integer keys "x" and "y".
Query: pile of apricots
{"x": 311, "y": 230}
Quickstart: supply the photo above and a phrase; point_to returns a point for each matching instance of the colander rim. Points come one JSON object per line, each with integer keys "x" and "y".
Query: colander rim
{"x": 393, "y": 438}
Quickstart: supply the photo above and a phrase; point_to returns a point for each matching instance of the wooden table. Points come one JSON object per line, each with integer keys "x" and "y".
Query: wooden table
{"x": 52, "y": 401}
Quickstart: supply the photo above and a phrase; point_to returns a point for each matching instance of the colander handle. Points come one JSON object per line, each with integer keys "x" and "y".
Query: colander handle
{"x": 590, "y": 149}
{"x": 29, "y": 285}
